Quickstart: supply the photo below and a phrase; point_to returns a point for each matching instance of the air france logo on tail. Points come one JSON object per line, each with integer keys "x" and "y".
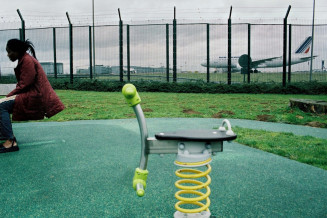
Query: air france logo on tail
{"x": 304, "y": 48}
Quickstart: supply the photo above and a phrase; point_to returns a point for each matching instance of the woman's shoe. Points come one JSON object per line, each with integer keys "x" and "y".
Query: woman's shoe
{"x": 13, "y": 148}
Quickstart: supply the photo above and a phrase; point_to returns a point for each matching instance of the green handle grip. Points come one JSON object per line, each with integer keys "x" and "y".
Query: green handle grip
{"x": 131, "y": 95}
{"x": 140, "y": 177}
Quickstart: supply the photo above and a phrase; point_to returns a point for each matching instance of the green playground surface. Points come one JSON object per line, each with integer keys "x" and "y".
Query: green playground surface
{"x": 85, "y": 169}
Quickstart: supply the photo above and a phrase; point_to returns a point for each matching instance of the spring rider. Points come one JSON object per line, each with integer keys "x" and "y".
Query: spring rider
{"x": 194, "y": 149}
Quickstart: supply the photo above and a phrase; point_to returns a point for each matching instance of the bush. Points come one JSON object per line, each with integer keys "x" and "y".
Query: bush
{"x": 311, "y": 88}
{"x": 8, "y": 79}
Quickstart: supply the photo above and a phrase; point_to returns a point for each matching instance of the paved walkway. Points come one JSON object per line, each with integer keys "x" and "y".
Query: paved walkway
{"x": 85, "y": 169}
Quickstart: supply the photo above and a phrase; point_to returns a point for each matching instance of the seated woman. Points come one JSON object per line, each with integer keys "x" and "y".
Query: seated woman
{"x": 32, "y": 99}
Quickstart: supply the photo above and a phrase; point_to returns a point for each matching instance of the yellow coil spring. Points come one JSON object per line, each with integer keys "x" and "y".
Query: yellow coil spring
{"x": 190, "y": 177}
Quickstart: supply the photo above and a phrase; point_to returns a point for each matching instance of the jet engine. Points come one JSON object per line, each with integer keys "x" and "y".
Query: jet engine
{"x": 244, "y": 61}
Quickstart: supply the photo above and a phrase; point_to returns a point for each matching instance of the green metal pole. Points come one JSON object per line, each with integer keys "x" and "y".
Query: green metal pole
{"x": 289, "y": 53}
{"x": 121, "y": 69}
{"x": 174, "y": 48}
{"x": 128, "y": 56}
{"x": 285, "y": 45}
{"x": 208, "y": 52}
{"x": 229, "y": 76}
{"x": 93, "y": 42}
{"x": 70, "y": 49}
{"x": 312, "y": 34}
{"x": 22, "y": 32}
{"x": 54, "y": 53}
{"x": 249, "y": 53}
{"x": 90, "y": 52}
{"x": 167, "y": 52}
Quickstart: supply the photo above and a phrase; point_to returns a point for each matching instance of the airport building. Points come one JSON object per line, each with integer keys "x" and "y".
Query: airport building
{"x": 48, "y": 67}
{"x": 99, "y": 69}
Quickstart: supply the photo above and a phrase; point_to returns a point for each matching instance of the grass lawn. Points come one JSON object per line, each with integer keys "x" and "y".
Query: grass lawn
{"x": 86, "y": 105}
{"x": 305, "y": 149}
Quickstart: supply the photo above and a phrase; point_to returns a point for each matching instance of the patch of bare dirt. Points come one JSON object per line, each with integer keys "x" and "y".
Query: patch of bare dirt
{"x": 190, "y": 111}
{"x": 217, "y": 115}
{"x": 220, "y": 114}
{"x": 227, "y": 112}
{"x": 316, "y": 124}
{"x": 130, "y": 115}
{"x": 265, "y": 117}
{"x": 147, "y": 110}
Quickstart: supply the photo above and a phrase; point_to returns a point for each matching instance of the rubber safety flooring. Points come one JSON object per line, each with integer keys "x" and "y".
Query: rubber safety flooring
{"x": 85, "y": 169}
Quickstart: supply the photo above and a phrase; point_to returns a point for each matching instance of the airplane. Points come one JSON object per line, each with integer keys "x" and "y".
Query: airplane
{"x": 237, "y": 63}
{"x": 131, "y": 70}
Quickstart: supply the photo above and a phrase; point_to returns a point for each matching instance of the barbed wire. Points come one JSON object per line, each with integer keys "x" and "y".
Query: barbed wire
{"x": 34, "y": 19}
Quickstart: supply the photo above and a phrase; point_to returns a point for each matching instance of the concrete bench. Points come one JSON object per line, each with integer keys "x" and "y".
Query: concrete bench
{"x": 308, "y": 105}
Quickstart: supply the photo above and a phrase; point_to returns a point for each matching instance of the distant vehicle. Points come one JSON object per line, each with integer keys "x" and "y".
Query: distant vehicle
{"x": 237, "y": 63}
{"x": 131, "y": 70}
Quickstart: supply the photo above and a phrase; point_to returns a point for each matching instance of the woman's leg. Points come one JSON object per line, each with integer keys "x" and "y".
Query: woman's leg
{"x": 6, "y": 127}
{"x": 1, "y": 136}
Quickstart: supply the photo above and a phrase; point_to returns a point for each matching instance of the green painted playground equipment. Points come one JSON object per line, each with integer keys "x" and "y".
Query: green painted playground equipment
{"x": 194, "y": 149}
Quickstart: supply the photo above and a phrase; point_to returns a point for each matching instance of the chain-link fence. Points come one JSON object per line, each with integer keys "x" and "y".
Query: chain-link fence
{"x": 177, "y": 52}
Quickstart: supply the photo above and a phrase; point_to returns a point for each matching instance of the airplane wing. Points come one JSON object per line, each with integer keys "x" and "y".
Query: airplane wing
{"x": 307, "y": 58}
{"x": 254, "y": 64}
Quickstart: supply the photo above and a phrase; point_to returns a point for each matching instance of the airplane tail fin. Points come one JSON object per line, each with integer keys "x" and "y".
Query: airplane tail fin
{"x": 304, "y": 48}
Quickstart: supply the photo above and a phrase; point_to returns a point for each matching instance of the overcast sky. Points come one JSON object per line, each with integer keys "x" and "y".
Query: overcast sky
{"x": 81, "y": 10}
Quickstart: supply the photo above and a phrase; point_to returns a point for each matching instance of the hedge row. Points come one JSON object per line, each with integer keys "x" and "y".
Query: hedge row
{"x": 313, "y": 88}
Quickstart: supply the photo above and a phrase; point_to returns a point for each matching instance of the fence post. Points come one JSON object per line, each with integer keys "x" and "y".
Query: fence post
{"x": 174, "y": 47}
{"x": 70, "y": 48}
{"x": 94, "y": 72}
{"x": 285, "y": 46}
{"x": 128, "y": 56}
{"x": 167, "y": 52}
{"x": 22, "y": 31}
{"x": 90, "y": 52}
{"x": 121, "y": 67}
{"x": 312, "y": 34}
{"x": 289, "y": 53}
{"x": 208, "y": 53}
{"x": 54, "y": 53}
{"x": 229, "y": 77}
{"x": 249, "y": 53}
